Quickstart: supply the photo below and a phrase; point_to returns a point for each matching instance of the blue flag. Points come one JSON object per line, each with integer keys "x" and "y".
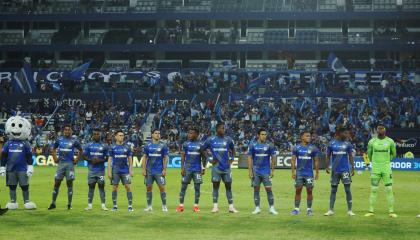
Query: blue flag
{"x": 228, "y": 64}
{"x": 77, "y": 73}
{"x": 335, "y": 64}
{"x": 24, "y": 81}
{"x": 255, "y": 83}
{"x": 154, "y": 78}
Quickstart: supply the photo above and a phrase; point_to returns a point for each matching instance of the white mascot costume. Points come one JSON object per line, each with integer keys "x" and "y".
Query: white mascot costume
{"x": 16, "y": 160}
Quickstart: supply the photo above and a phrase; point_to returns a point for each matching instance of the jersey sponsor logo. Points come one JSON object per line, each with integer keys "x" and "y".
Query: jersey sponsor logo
{"x": 193, "y": 153}
{"x": 261, "y": 155}
{"x": 96, "y": 154}
{"x": 219, "y": 149}
{"x": 339, "y": 152}
{"x": 379, "y": 151}
{"x": 15, "y": 150}
{"x": 121, "y": 156}
{"x": 65, "y": 150}
{"x": 304, "y": 157}
{"x": 155, "y": 154}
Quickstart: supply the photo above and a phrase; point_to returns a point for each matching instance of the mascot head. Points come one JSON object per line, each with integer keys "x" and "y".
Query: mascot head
{"x": 18, "y": 128}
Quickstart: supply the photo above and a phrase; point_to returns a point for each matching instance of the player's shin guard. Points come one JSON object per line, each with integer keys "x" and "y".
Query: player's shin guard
{"x": 55, "y": 194}
{"x": 12, "y": 193}
{"x": 25, "y": 193}
{"x": 372, "y": 199}
{"x": 90, "y": 194}
{"x": 332, "y": 196}
{"x": 257, "y": 196}
{"x": 196, "y": 193}
{"x": 163, "y": 197}
{"x": 182, "y": 193}
{"x": 102, "y": 193}
{"x": 270, "y": 197}
{"x": 70, "y": 195}
{"x": 130, "y": 198}
{"x": 390, "y": 198}
{"x": 114, "y": 198}
{"x": 229, "y": 195}
{"x": 149, "y": 196}
{"x": 348, "y": 196}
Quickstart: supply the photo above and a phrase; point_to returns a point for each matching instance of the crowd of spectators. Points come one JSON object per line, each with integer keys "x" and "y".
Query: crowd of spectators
{"x": 284, "y": 118}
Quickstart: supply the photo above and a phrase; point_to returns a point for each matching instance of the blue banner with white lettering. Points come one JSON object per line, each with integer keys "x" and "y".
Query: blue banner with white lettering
{"x": 404, "y": 164}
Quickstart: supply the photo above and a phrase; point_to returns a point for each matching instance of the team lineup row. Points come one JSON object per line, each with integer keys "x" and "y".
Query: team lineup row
{"x": 16, "y": 165}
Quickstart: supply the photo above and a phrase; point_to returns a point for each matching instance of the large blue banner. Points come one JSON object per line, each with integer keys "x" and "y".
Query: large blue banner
{"x": 404, "y": 164}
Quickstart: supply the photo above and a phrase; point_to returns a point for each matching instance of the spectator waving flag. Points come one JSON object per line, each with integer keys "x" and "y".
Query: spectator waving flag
{"x": 335, "y": 64}
{"x": 256, "y": 82}
{"x": 154, "y": 78}
{"x": 77, "y": 73}
{"x": 24, "y": 81}
{"x": 229, "y": 65}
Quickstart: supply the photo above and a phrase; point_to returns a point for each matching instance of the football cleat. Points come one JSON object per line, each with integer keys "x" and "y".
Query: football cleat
{"x": 148, "y": 209}
{"x": 30, "y": 206}
{"x": 309, "y": 212}
{"x": 179, "y": 208}
{"x": 351, "y": 213}
{"x": 369, "y": 214}
{"x": 257, "y": 210}
{"x": 295, "y": 212}
{"x": 329, "y": 213}
{"x": 393, "y": 215}
{"x": 273, "y": 211}
{"x": 196, "y": 209}
{"x": 12, "y": 206}
{"x": 52, "y": 206}
{"x": 233, "y": 210}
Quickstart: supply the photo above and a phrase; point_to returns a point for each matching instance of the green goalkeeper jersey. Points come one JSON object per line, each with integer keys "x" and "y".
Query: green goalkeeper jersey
{"x": 380, "y": 153}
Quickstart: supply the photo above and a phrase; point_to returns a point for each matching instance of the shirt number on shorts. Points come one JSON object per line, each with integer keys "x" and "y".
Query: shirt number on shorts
{"x": 198, "y": 176}
{"x": 346, "y": 175}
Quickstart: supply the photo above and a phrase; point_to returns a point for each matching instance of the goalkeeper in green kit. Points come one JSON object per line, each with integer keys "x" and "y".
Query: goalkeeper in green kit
{"x": 381, "y": 150}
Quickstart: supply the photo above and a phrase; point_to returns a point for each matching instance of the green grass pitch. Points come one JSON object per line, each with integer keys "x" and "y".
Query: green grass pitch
{"x": 96, "y": 224}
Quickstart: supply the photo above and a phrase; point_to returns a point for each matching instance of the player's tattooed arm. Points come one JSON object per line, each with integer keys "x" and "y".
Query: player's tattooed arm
{"x": 316, "y": 161}
{"x": 327, "y": 163}
{"x": 232, "y": 155}
{"x": 273, "y": 165}
{"x": 79, "y": 154}
{"x": 143, "y": 164}
{"x": 54, "y": 155}
{"x": 165, "y": 164}
{"x": 182, "y": 163}
{"x": 130, "y": 165}
{"x": 203, "y": 162}
{"x": 250, "y": 170}
{"x": 351, "y": 160}
{"x": 293, "y": 162}
{"x": 109, "y": 167}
